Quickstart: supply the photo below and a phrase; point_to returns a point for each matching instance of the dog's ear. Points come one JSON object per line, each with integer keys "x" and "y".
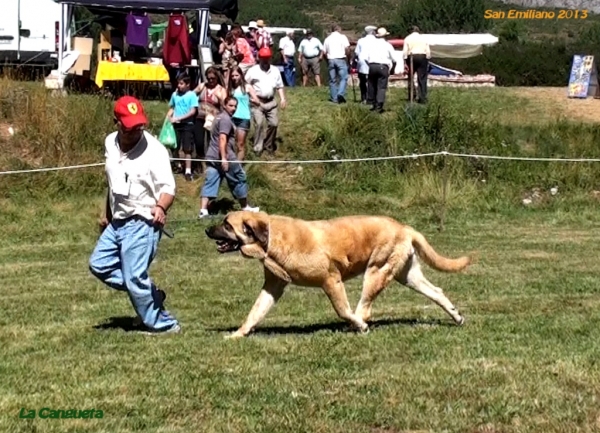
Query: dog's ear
{"x": 259, "y": 229}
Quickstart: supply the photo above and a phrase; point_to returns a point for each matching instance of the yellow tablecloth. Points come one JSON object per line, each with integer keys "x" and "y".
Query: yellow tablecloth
{"x": 108, "y": 71}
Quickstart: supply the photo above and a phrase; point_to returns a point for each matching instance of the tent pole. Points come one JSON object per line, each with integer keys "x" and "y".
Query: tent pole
{"x": 61, "y": 42}
{"x": 19, "y": 29}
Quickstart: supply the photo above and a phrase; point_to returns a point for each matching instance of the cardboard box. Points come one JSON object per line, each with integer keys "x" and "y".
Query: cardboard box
{"x": 83, "y": 64}
{"x": 83, "y": 45}
{"x": 104, "y": 46}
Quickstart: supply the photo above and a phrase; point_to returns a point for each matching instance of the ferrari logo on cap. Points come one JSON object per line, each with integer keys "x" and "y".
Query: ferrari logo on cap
{"x": 132, "y": 107}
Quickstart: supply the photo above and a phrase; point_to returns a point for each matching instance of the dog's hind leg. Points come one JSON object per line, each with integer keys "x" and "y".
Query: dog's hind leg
{"x": 270, "y": 293}
{"x": 412, "y": 276}
{"x": 335, "y": 290}
{"x": 376, "y": 279}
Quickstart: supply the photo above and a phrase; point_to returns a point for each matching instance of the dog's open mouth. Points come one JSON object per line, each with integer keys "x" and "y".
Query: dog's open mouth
{"x": 227, "y": 246}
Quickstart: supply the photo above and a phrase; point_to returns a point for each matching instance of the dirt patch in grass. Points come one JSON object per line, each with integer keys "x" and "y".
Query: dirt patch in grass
{"x": 555, "y": 103}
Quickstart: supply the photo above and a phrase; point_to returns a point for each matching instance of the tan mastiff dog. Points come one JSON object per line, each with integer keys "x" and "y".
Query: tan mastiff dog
{"x": 327, "y": 253}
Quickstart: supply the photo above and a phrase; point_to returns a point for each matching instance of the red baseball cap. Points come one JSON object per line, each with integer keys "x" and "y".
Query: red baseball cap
{"x": 264, "y": 52}
{"x": 130, "y": 112}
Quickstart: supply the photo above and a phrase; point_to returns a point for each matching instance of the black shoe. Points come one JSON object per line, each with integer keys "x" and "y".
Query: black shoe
{"x": 189, "y": 177}
{"x": 341, "y": 99}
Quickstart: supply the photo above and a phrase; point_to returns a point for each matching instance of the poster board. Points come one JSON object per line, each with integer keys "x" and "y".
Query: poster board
{"x": 583, "y": 80}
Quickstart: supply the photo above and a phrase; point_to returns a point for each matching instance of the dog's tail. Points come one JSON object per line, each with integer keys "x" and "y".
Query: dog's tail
{"x": 433, "y": 259}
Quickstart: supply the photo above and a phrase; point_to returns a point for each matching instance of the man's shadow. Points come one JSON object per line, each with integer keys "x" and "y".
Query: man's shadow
{"x": 125, "y": 323}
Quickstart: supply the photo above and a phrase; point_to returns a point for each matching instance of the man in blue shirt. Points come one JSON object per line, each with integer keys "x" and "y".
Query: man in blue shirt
{"x": 182, "y": 112}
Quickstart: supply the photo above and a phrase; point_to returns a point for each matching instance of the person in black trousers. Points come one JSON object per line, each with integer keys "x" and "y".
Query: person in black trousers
{"x": 380, "y": 58}
{"x": 416, "y": 55}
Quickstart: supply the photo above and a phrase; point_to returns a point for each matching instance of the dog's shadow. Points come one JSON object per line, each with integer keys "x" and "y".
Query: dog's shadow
{"x": 335, "y": 327}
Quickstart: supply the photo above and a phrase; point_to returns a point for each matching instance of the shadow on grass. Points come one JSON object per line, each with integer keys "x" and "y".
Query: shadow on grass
{"x": 126, "y": 323}
{"x": 335, "y": 326}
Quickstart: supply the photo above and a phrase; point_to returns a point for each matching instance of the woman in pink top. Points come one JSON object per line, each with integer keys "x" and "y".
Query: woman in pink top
{"x": 243, "y": 51}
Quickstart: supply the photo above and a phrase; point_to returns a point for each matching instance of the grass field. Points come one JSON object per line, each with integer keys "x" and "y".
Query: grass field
{"x": 525, "y": 361}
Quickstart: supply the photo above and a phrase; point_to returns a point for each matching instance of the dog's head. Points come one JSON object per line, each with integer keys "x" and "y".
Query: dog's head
{"x": 239, "y": 229}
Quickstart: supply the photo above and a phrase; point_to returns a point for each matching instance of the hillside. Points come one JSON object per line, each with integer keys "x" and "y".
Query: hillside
{"x": 353, "y": 15}
{"x": 590, "y": 5}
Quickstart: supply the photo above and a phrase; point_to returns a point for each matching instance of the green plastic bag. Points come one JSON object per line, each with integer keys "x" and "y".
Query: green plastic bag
{"x": 167, "y": 135}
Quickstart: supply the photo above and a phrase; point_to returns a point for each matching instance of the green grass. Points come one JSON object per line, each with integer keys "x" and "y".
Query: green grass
{"x": 525, "y": 361}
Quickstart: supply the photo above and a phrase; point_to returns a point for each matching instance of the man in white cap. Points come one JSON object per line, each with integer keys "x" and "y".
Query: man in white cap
{"x": 287, "y": 48}
{"x": 251, "y": 37}
{"x": 362, "y": 48}
{"x": 380, "y": 58}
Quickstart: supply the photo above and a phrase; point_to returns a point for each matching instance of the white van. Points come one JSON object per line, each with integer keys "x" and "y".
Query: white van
{"x": 35, "y": 41}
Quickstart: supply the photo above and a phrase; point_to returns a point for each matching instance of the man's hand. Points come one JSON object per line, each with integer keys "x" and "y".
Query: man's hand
{"x": 225, "y": 165}
{"x": 283, "y": 104}
{"x": 103, "y": 223}
{"x": 159, "y": 216}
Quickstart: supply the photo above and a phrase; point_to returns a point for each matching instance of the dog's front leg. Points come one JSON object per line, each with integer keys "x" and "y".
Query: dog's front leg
{"x": 271, "y": 292}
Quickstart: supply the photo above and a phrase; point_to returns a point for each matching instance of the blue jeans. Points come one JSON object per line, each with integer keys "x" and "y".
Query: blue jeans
{"x": 235, "y": 177}
{"x": 289, "y": 72}
{"x": 121, "y": 260}
{"x": 338, "y": 68}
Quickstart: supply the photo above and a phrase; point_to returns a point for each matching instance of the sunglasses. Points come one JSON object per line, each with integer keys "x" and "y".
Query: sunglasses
{"x": 134, "y": 129}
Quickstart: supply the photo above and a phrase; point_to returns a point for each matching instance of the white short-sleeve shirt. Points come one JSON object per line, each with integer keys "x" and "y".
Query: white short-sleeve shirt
{"x": 335, "y": 46}
{"x": 265, "y": 83}
{"x": 137, "y": 179}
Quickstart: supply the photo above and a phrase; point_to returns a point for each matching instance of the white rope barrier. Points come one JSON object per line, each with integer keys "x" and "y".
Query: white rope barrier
{"x": 337, "y": 160}
{"x": 39, "y": 170}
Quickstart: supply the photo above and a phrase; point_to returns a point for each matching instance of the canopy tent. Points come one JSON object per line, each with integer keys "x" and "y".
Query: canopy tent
{"x": 454, "y": 46}
{"x": 229, "y": 8}
{"x": 459, "y": 46}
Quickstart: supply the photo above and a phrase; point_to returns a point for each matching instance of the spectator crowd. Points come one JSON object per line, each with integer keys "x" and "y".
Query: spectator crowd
{"x": 244, "y": 88}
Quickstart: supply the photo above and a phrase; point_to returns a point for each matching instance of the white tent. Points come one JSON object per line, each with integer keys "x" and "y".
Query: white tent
{"x": 458, "y": 46}
{"x": 448, "y": 46}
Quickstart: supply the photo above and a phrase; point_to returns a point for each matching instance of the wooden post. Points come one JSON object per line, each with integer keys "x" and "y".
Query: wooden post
{"x": 411, "y": 83}
{"x": 445, "y": 182}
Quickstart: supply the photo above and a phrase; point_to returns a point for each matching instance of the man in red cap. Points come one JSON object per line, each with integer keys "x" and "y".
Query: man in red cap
{"x": 141, "y": 190}
{"x": 266, "y": 81}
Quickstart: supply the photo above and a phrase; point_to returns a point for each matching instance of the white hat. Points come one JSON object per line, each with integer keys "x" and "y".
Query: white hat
{"x": 370, "y": 29}
{"x": 381, "y": 32}
{"x": 252, "y": 25}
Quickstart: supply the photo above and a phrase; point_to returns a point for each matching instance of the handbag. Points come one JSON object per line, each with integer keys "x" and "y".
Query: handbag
{"x": 208, "y": 121}
{"x": 167, "y": 135}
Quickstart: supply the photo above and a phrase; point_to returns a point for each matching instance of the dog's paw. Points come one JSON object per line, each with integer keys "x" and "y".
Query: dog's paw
{"x": 461, "y": 321}
{"x": 235, "y": 335}
{"x": 364, "y": 329}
